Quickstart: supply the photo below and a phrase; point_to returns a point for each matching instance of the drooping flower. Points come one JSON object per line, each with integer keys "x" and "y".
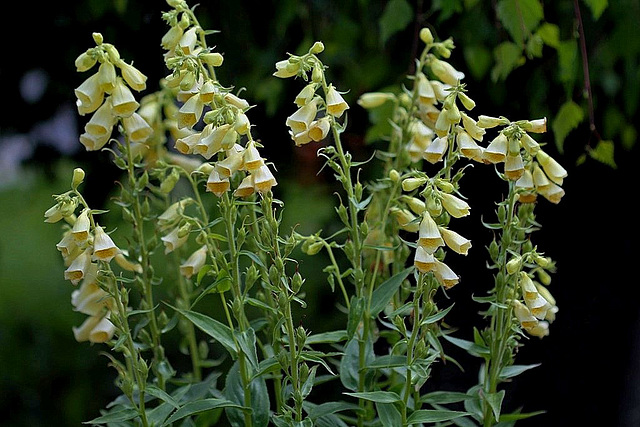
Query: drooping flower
{"x": 263, "y": 179}
{"x": 194, "y": 263}
{"x": 216, "y": 184}
{"x": 103, "y": 247}
{"x": 79, "y": 267}
{"x": 456, "y": 207}
{"x": 429, "y": 236}
{"x": 134, "y": 78}
{"x": 455, "y": 241}
{"x": 173, "y": 240}
{"x": 336, "y": 104}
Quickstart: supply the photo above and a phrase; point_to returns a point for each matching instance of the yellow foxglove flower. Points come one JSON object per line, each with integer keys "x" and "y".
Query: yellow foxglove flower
{"x": 228, "y": 166}
{"x": 496, "y": 151}
{"x": 306, "y": 94}
{"x": 423, "y": 88}
{"x": 217, "y": 184}
{"x": 211, "y": 140}
{"x": 90, "y": 299}
{"x": 191, "y": 87}
{"x": 540, "y": 330}
{"x": 207, "y": 91}
{"x": 423, "y": 260}
{"x": 122, "y": 101}
{"x": 406, "y": 220}
{"x": 436, "y": 150}
{"x": 137, "y": 129}
{"x": 513, "y": 167}
{"x": 93, "y": 143}
{"x": 171, "y": 38}
{"x": 445, "y": 72}
{"x": 421, "y": 134}
{"x": 442, "y": 125}
{"x": 551, "y": 192}
{"x": 90, "y": 95}
{"x": 263, "y": 179}
{"x": 236, "y": 101}
{"x": 525, "y": 183}
{"x": 336, "y": 105}
{"x": 410, "y": 184}
{"x": 95, "y": 329}
{"x": 416, "y": 205}
{"x": 101, "y": 122}
{"x": 472, "y": 128}
{"x": 524, "y": 316}
{"x": 455, "y": 241}
{"x": 134, "y": 78}
{"x": 554, "y": 171}
{"x": 173, "y": 214}
{"x": 246, "y": 187}
{"x": 103, "y": 247}
{"x": 538, "y": 306}
{"x": 53, "y": 214}
{"x": 488, "y": 122}
{"x": 468, "y": 147}
{"x": 319, "y": 129}
{"x": 194, "y": 263}
{"x": 540, "y": 180}
{"x": 107, "y": 76}
{"x": 374, "y": 99}
{"x": 529, "y": 144}
{"x": 188, "y": 144}
{"x": 126, "y": 264}
{"x": 286, "y": 68}
{"x": 456, "y": 207}
{"x": 440, "y": 89}
{"x": 445, "y": 275}
{"x": 429, "y": 235}
{"x": 85, "y": 62}
{"x": 188, "y": 41}
{"x": 537, "y": 126}
{"x": 242, "y": 124}
{"x": 300, "y": 120}
{"x": 415, "y": 151}
{"x": 190, "y": 112}
{"x": 300, "y": 138}
{"x": 67, "y": 244}
{"x": 81, "y": 227}
{"x": 79, "y": 267}
{"x": 251, "y": 157}
{"x": 173, "y": 241}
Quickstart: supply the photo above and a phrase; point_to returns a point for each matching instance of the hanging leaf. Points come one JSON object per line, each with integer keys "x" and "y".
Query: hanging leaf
{"x": 604, "y": 153}
{"x": 199, "y": 406}
{"x": 597, "y": 7}
{"x": 388, "y": 414}
{"x": 550, "y": 34}
{"x": 520, "y": 18}
{"x": 568, "y": 118}
{"x": 383, "y": 293}
{"x": 507, "y": 56}
{"x": 234, "y": 392}
{"x": 211, "y": 327}
{"x": 515, "y": 370}
{"x": 396, "y": 16}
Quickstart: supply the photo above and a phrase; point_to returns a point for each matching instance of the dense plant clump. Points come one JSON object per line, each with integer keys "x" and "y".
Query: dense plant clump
{"x": 218, "y": 271}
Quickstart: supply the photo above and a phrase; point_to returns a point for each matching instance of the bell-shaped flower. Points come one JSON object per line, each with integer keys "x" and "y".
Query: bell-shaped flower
{"x": 85, "y": 61}
{"x": 188, "y": 143}
{"x": 319, "y": 129}
{"x": 456, "y": 207}
{"x": 127, "y": 264}
{"x": 544, "y": 292}
{"x": 423, "y": 88}
{"x": 103, "y": 247}
{"x": 537, "y": 126}
{"x": 53, "y": 214}
{"x": 554, "y": 171}
{"x": 136, "y": 128}
{"x": 445, "y": 72}
{"x": 246, "y": 187}
{"x": 540, "y": 330}
{"x": 236, "y": 101}
{"x": 306, "y": 94}
{"x": 538, "y": 306}
{"x": 217, "y": 184}
{"x": 95, "y": 329}
{"x": 174, "y": 240}
{"x": 286, "y": 68}
{"x": 513, "y": 167}
{"x": 107, "y": 76}
{"x": 336, "y": 105}
{"x": 93, "y": 143}
{"x": 171, "y": 38}
{"x": 188, "y": 41}
{"x": 524, "y": 316}
{"x": 440, "y": 89}
{"x": 406, "y": 220}
{"x": 442, "y": 125}
{"x": 423, "y": 260}
{"x": 527, "y": 187}
{"x": 173, "y": 214}
{"x": 211, "y": 141}
{"x": 429, "y": 235}
{"x": 468, "y": 147}
{"x": 374, "y": 99}
{"x": 134, "y": 78}
{"x": 529, "y": 144}
{"x": 472, "y": 128}
{"x": 190, "y": 112}
{"x": 122, "y": 101}
{"x": 300, "y": 120}
{"x": 90, "y": 299}
{"x": 551, "y": 192}
{"x": 67, "y": 244}
{"x": 194, "y": 263}
{"x": 300, "y": 138}
{"x": 455, "y": 241}
{"x": 81, "y": 227}
{"x": 496, "y": 151}
{"x": 232, "y": 163}
{"x": 242, "y": 125}
{"x": 251, "y": 157}
{"x": 488, "y": 122}
{"x": 101, "y": 122}
{"x": 445, "y": 275}
{"x": 263, "y": 179}
{"x": 79, "y": 267}
{"x": 416, "y": 205}
{"x": 436, "y": 150}
{"x": 421, "y": 134}
{"x": 89, "y": 94}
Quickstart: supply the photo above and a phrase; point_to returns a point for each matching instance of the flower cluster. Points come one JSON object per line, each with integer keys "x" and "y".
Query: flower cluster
{"x": 108, "y": 96}
{"x": 203, "y": 98}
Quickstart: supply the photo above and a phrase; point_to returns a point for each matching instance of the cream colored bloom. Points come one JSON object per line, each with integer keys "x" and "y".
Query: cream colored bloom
{"x": 406, "y": 220}
{"x": 425, "y": 92}
{"x": 194, "y": 263}
{"x": 445, "y": 275}
{"x": 232, "y": 163}
{"x": 445, "y": 72}
{"x": 214, "y": 139}
{"x": 455, "y": 241}
{"x": 187, "y": 144}
{"x": 336, "y": 105}
{"x": 551, "y": 192}
{"x": 126, "y": 264}
{"x": 95, "y": 329}
{"x": 456, "y": 207}
{"x": 300, "y": 138}
{"x": 173, "y": 241}
{"x": 554, "y": 171}
{"x": 67, "y": 244}
{"x": 242, "y": 125}
{"x": 246, "y": 187}
{"x": 524, "y": 316}
{"x": 251, "y": 157}
{"x": 537, "y": 126}
{"x": 429, "y": 236}
{"x": 300, "y": 120}
{"x": 81, "y": 227}
{"x": 90, "y": 95}
{"x": 286, "y": 68}
{"x": 472, "y": 128}
{"x": 136, "y": 128}
{"x": 306, "y": 94}
{"x": 374, "y": 99}
{"x": 173, "y": 213}
{"x": 122, "y": 101}
{"x": 538, "y": 305}
{"x": 423, "y": 260}
{"x": 101, "y": 123}
{"x": 90, "y": 299}
{"x": 236, "y": 101}
{"x": 217, "y": 184}
{"x": 263, "y": 179}
{"x": 107, "y": 76}
{"x": 529, "y": 144}
{"x": 513, "y": 167}
{"x": 319, "y": 129}
{"x": 190, "y": 112}
{"x": 496, "y": 151}
{"x": 134, "y": 78}
{"x": 171, "y": 38}
{"x": 489, "y": 122}
{"x": 79, "y": 267}
{"x": 436, "y": 150}
{"x": 103, "y": 247}
{"x": 85, "y": 62}
{"x": 468, "y": 147}
{"x": 525, "y": 183}
{"x": 188, "y": 41}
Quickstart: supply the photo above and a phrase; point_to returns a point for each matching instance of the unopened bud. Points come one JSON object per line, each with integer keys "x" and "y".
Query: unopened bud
{"x": 97, "y": 37}
{"x": 317, "y": 48}
{"x": 78, "y": 177}
{"x": 394, "y": 175}
{"x": 426, "y": 36}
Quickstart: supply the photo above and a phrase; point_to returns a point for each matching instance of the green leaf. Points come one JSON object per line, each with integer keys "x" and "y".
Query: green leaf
{"x": 433, "y": 416}
{"x": 520, "y": 17}
{"x": 515, "y": 370}
{"x": 161, "y": 394}
{"x": 328, "y": 408}
{"x": 234, "y": 391}
{"x": 568, "y": 118}
{"x": 508, "y": 56}
{"x": 471, "y": 347}
{"x": 388, "y": 361}
{"x": 495, "y": 401}
{"x": 389, "y": 414}
{"x": 436, "y": 317}
{"x": 478, "y": 60}
{"x": 195, "y": 407}
{"x": 550, "y": 34}
{"x": 120, "y": 416}
{"x": 377, "y": 396}
{"x": 597, "y": 7}
{"x": 567, "y": 62}
{"x": 326, "y": 337}
{"x": 211, "y": 327}
{"x": 383, "y": 293}
{"x": 444, "y": 397}
{"x": 247, "y": 341}
{"x": 255, "y": 258}
{"x": 309, "y": 382}
{"x": 350, "y": 363}
{"x": 518, "y": 416}
{"x": 396, "y": 16}
{"x": 355, "y": 315}
{"x": 603, "y": 153}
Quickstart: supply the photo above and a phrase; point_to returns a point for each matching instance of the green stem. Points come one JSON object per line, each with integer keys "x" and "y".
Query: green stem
{"x": 191, "y": 333}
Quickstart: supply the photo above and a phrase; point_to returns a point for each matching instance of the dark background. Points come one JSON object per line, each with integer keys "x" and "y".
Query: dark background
{"x": 590, "y": 363}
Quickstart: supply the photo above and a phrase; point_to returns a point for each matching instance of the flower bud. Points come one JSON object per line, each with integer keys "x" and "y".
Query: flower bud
{"x": 411, "y": 184}
{"x": 85, "y": 62}
{"x": 317, "y": 48}
{"x": 214, "y": 59}
{"x": 426, "y": 36}
{"x": 514, "y": 264}
{"x": 97, "y": 37}
{"x": 374, "y": 99}
{"x": 394, "y": 175}
{"x": 78, "y": 177}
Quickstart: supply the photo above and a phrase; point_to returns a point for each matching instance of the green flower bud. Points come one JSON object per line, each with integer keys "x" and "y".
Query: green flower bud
{"x": 394, "y": 175}
{"x": 514, "y": 265}
{"x": 97, "y": 37}
{"x": 212, "y": 58}
{"x": 78, "y": 177}
{"x": 318, "y": 74}
{"x": 317, "y": 48}
{"x": 426, "y": 36}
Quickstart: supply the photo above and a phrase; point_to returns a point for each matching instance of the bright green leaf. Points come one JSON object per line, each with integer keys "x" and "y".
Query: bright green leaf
{"x": 119, "y": 416}
{"x": 520, "y": 17}
{"x": 198, "y": 406}
{"x": 211, "y": 327}
{"x": 433, "y": 415}
{"x": 604, "y": 153}
{"x": 396, "y": 16}
{"x": 389, "y": 414}
{"x": 550, "y": 34}
{"x": 383, "y": 293}
{"x": 514, "y": 370}
{"x": 568, "y": 118}
{"x": 377, "y": 396}
{"x": 507, "y": 56}
{"x": 597, "y": 7}
{"x": 495, "y": 401}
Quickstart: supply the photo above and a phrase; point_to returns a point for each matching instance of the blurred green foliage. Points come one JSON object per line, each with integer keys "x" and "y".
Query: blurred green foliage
{"x": 521, "y": 56}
